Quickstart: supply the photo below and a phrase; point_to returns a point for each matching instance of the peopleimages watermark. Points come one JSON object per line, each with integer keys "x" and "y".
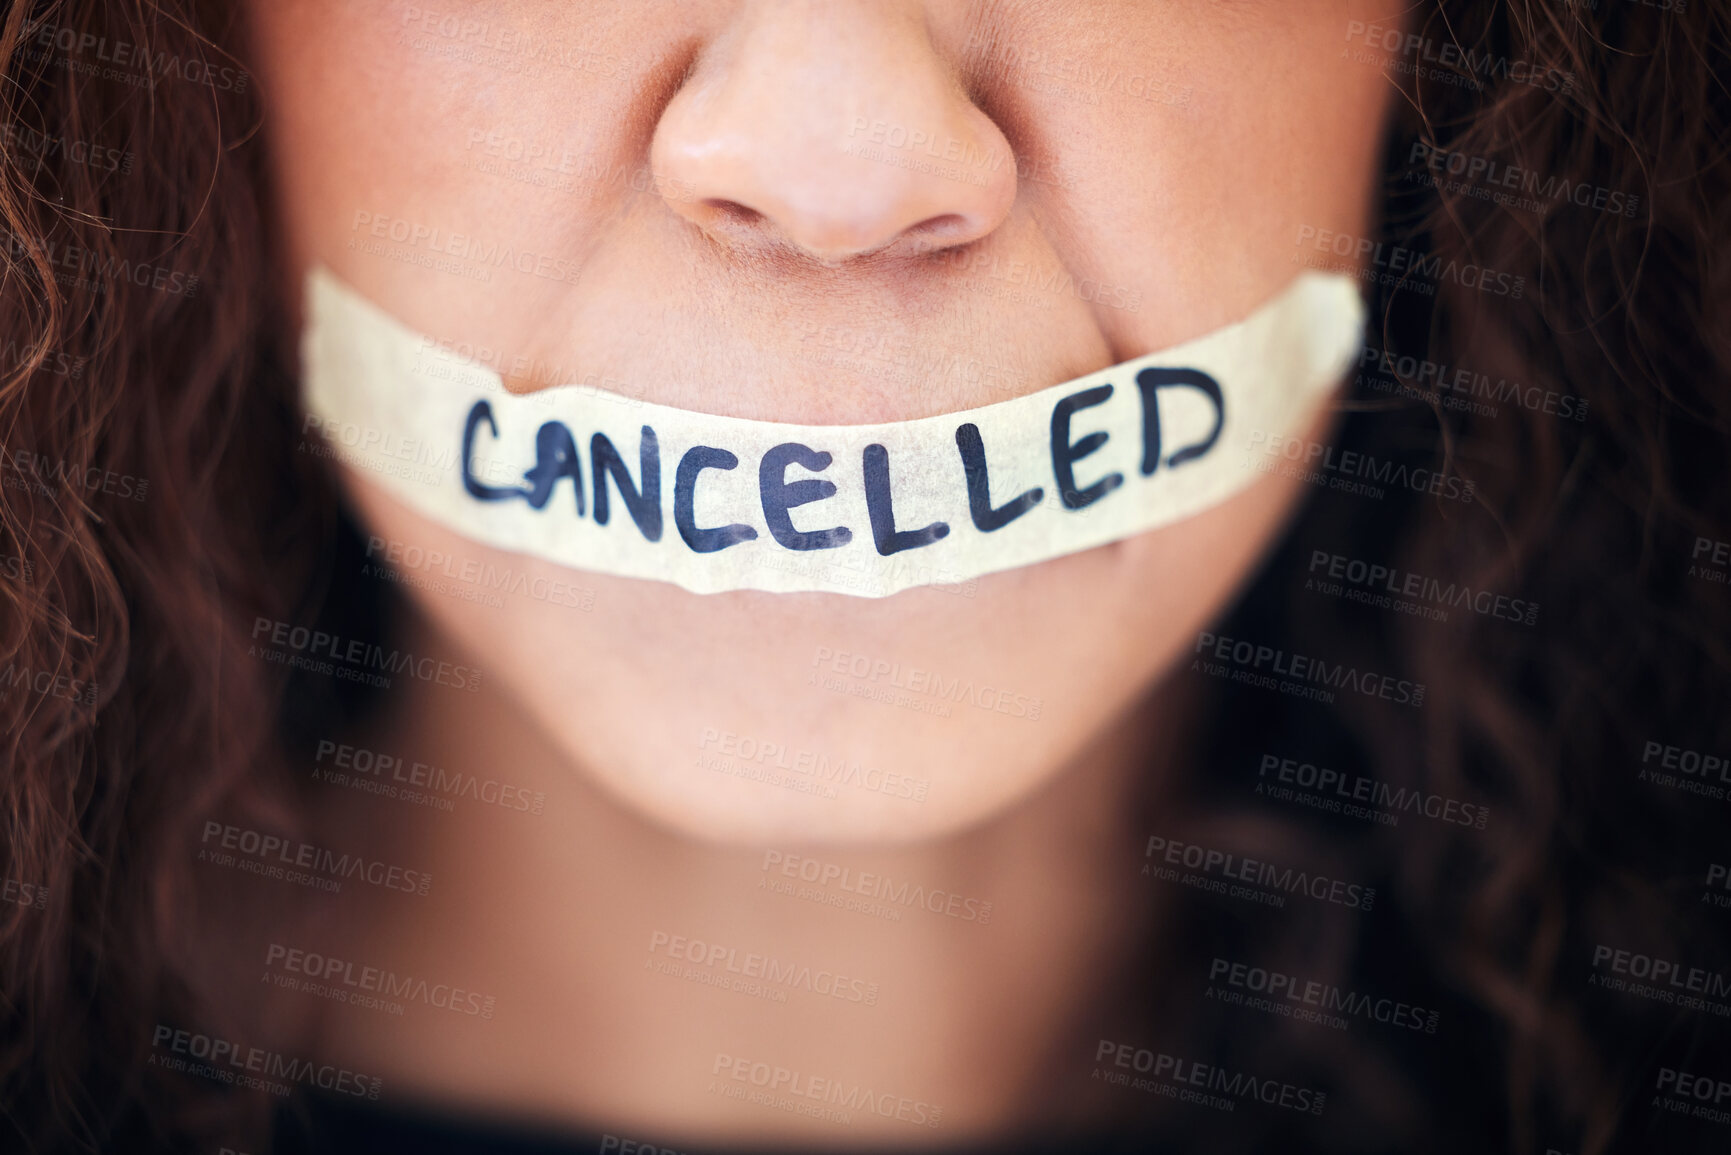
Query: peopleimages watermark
{"x": 515, "y": 49}
{"x": 1390, "y": 264}
{"x": 814, "y": 1096}
{"x": 1716, "y": 570}
{"x": 1461, "y": 66}
{"x": 1686, "y": 1093}
{"x": 761, "y": 975}
{"x": 37, "y": 472}
{"x": 383, "y": 451}
{"x": 444, "y": 360}
{"x": 1358, "y": 796}
{"x": 317, "y": 867}
{"x": 1349, "y": 470}
{"x": 557, "y": 167}
{"x": 1263, "y": 881}
{"x": 810, "y": 770}
{"x": 861, "y": 571}
{"x": 1083, "y": 78}
{"x": 252, "y": 1067}
{"x": 50, "y": 684}
{"x": 1201, "y": 1084}
{"x": 1718, "y": 879}
{"x": 21, "y": 893}
{"x": 879, "y": 680}
{"x": 1386, "y": 587}
{"x": 951, "y": 157}
{"x": 127, "y": 62}
{"x": 370, "y": 987}
{"x": 632, "y": 1147}
{"x": 1457, "y": 387}
{"x": 76, "y": 267}
{"x": 883, "y": 155}
{"x": 432, "y": 247}
{"x": 1309, "y": 1000}
{"x": 1501, "y": 182}
{"x": 1047, "y": 282}
{"x": 20, "y": 141}
{"x": 352, "y": 660}
{"x": 394, "y": 776}
{"x": 1297, "y": 674}
{"x": 469, "y": 580}
{"x": 1681, "y": 768}
{"x": 886, "y": 897}
{"x": 1661, "y": 980}
{"x": 14, "y": 353}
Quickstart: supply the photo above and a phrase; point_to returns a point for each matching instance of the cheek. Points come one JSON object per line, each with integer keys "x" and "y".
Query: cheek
{"x": 753, "y": 717}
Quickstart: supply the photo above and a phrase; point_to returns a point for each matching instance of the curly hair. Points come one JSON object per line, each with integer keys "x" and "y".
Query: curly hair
{"x": 151, "y": 504}
{"x": 1570, "y": 157}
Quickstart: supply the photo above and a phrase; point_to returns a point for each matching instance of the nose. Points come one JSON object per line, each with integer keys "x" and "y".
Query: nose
{"x": 833, "y": 127}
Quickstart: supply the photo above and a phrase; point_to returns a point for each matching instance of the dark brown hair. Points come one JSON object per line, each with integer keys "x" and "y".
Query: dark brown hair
{"x": 1554, "y": 290}
{"x": 154, "y": 506}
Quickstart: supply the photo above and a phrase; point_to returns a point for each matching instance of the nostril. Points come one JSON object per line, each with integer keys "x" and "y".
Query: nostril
{"x": 940, "y": 232}
{"x": 733, "y": 211}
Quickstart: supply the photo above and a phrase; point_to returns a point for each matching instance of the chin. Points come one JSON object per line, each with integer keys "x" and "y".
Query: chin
{"x": 738, "y": 789}
{"x": 751, "y": 718}
{"x": 754, "y": 718}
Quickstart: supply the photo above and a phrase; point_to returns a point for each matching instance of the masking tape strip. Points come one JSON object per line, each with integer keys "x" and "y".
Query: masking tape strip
{"x": 597, "y": 481}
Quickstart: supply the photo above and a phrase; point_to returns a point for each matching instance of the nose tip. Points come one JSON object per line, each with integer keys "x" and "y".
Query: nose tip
{"x": 831, "y": 197}
{"x": 778, "y": 138}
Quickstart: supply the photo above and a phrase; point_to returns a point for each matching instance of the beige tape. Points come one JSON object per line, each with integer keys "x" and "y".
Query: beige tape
{"x": 597, "y": 481}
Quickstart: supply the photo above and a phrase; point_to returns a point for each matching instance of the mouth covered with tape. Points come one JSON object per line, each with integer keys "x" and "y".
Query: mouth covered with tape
{"x": 598, "y": 481}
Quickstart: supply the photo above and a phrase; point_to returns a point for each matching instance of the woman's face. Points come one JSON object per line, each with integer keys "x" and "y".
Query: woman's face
{"x": 821, "y": 211}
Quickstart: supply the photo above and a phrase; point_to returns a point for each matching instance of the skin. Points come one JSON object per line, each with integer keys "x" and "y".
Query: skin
{"x": 728, "y": 247}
